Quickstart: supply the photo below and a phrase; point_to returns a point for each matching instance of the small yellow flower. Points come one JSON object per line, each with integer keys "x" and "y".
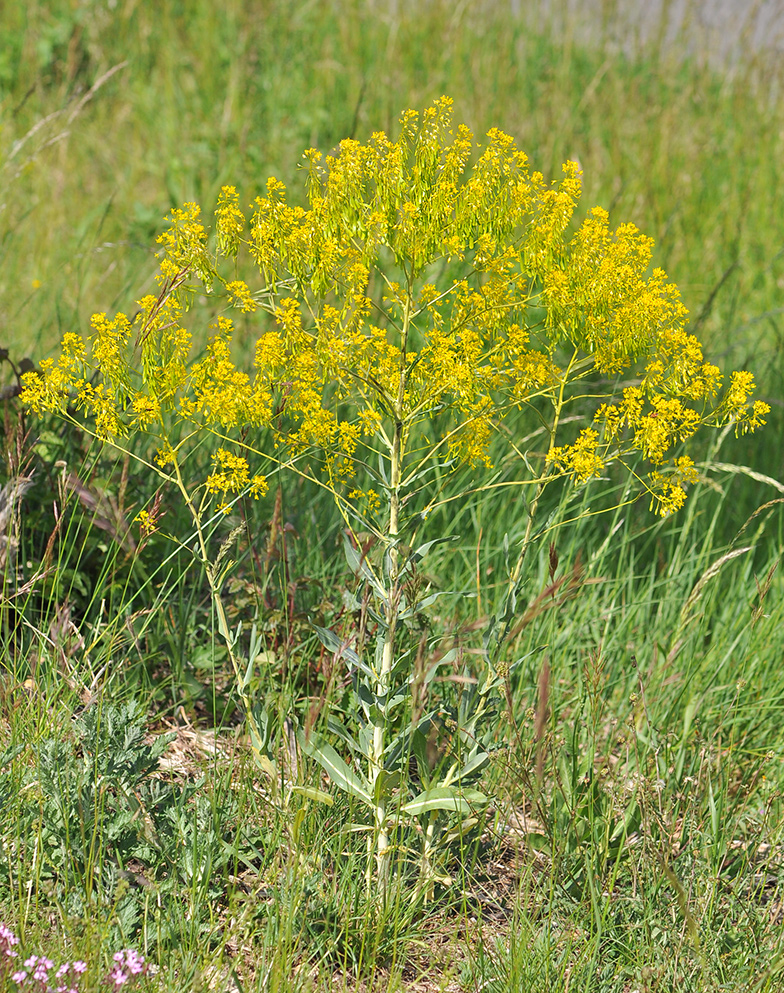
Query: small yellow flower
{"x": 241, "y": 296}
{"x": 146, "y": 409}
{"x": 580, "y": 460}
{"x": 231, "y": 475}
{"x": 230, "y": 221}
{"x": 147, "y": 523}
{"x": 165, "y": 455}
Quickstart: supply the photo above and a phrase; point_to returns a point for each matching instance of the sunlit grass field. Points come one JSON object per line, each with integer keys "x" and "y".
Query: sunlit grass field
{"x": 634, "y": 839}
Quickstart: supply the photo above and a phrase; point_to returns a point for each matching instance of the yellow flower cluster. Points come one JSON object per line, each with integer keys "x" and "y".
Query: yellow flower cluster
{"x": 241, "y": 296}
{"x": 185, "y": 247}
{"x": 581, "y": 460}
{"x": 667, "y": 492}
{"x": 230, "y": 474}
{"x": 370, "y": 498}
{"x": 427, "y": 286}
{"x": 229, "y": 222}
{"x": 655, "y": 417}
{"x": 147, "y": 523}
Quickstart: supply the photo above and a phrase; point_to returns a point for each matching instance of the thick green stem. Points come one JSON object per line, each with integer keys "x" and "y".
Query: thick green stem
{"x": 387, "y": 662}
{"x": 392, "y": 610}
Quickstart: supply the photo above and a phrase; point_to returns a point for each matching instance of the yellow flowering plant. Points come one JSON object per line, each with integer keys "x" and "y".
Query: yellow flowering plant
{"x": 428, "y": 289}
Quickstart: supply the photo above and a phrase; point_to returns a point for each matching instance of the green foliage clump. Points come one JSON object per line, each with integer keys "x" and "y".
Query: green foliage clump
{"x": 109, "y": 831}
{"x": 425, "y": 294}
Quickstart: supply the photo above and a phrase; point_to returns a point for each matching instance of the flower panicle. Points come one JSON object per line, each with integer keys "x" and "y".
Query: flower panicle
{"x": 347, "y": 347}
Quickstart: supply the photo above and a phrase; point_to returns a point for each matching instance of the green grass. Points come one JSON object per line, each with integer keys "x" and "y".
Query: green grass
{"x": 653, "y": 848}
{"x": 647, "y": 768}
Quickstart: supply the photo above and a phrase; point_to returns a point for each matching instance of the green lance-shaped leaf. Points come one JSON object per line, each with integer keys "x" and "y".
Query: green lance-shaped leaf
{"x": 474, "y": 765}
{"x": 339, "y": 729}
{"x": 419, "y": 605}
{"x": 445, "y": 798}
{"x": 311, "y": 793}
{"x": 336, "y": 645}
{"x": 10, "y": 754}
{"x": 418, "y": 554}
{"x": 386, "y": 782}
{"x": 460, "y": 830}
{"x": 359, "y": 566}
{"x": 334, "y": 766}
{"x": 340, "y": 649}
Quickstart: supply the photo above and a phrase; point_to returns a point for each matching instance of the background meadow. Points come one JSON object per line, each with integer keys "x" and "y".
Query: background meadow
{"x": 635, "y": 839}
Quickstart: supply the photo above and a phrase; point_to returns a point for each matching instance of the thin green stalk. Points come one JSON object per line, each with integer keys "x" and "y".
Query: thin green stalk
{"x": 545, "y": 479}
{"x": 220, "y": 610}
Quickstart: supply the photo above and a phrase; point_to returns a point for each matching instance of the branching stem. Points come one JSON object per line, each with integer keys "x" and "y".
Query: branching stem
{"x": 217, "y": 601}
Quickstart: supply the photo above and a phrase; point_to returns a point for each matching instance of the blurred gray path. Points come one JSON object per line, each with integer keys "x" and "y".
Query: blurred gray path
{"x": 723, "y": 31}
